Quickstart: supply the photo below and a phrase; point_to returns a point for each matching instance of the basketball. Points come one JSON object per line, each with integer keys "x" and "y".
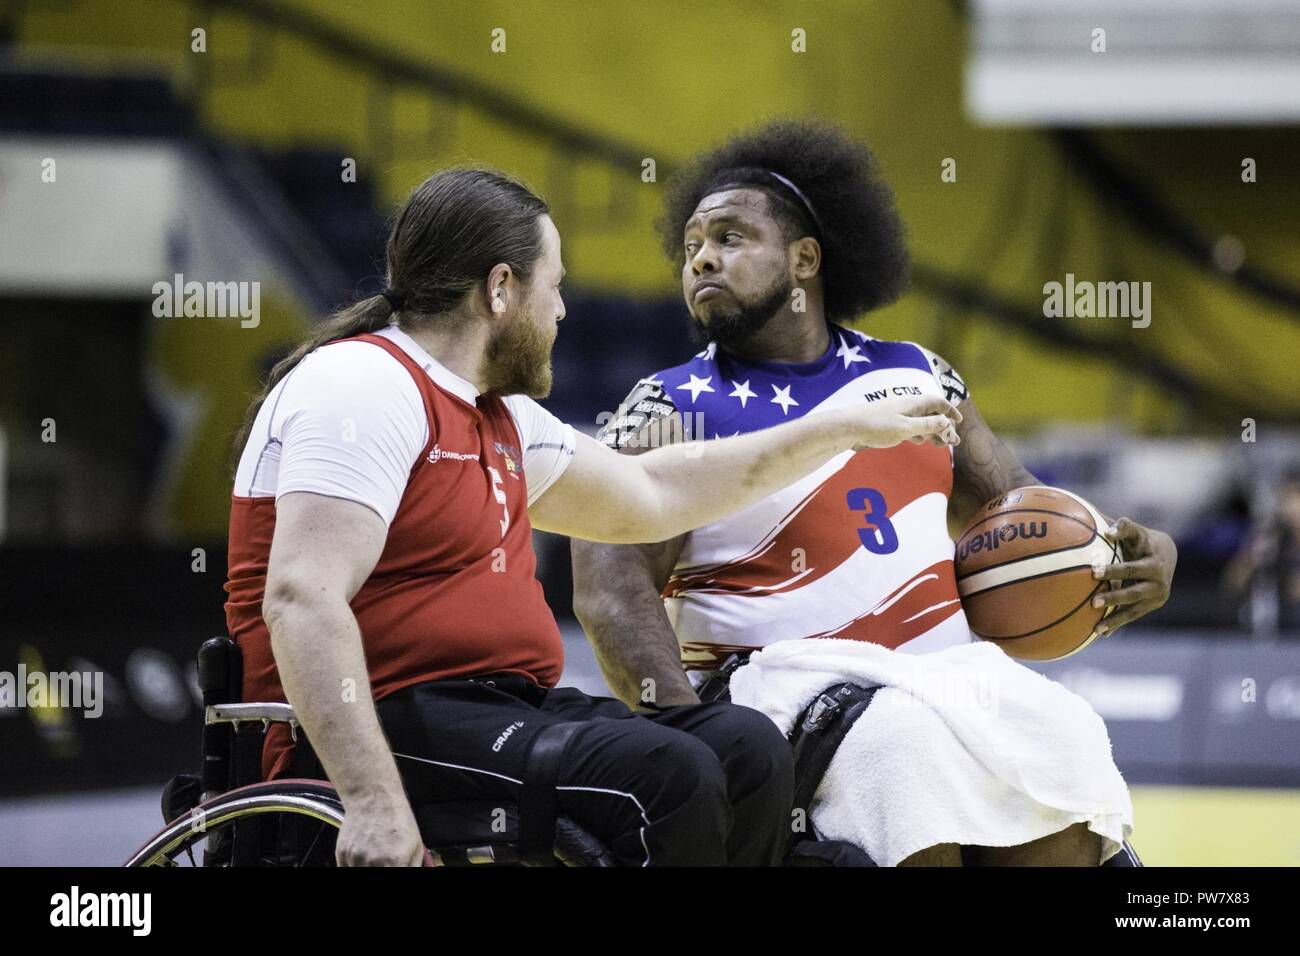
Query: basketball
{"x": 1024, "y": 572}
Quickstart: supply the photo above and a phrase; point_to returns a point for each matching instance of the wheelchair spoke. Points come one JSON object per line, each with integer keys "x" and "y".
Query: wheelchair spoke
{"x": 307, "y": 856}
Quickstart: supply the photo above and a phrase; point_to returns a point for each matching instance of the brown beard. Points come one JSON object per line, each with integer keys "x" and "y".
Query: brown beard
{"x": 517, "y": 360}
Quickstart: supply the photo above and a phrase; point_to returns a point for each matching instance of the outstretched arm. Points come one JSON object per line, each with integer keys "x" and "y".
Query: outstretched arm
{"x": 605, "y": 496}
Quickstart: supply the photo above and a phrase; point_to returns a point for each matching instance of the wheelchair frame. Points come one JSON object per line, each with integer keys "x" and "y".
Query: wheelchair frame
{"x": 243, "y": 820}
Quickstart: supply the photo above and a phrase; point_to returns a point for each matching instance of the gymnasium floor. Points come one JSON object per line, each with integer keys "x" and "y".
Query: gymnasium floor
{"x": 1216, "y": 826}
{"x": 1177, "y": 826}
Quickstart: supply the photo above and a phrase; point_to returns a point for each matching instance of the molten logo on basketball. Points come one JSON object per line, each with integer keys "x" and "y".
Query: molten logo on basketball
{"x": 992, "y": 540}
{"x": 1024, "y": 567}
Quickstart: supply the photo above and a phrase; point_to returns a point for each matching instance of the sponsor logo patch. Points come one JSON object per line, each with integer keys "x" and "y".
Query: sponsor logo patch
{"x": 438, "y": 454}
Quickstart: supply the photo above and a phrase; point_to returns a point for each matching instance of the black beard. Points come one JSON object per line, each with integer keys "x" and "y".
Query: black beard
{"x": 732, "y": 329}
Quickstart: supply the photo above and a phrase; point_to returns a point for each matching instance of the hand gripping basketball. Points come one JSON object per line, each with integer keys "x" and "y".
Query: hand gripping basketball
{"x": 1141, "y": 583}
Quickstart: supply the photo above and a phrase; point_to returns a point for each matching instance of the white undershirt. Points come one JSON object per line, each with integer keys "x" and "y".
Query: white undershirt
{"x": 348, "y": 422}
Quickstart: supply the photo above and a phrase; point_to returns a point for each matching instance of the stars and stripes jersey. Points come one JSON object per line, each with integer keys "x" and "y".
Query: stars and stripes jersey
{"x": 858, "y": 549}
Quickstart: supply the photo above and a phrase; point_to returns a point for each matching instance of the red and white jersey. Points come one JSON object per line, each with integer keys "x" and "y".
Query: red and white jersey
{"x": 859, "y": 549}
{"x": 376, "y": 420}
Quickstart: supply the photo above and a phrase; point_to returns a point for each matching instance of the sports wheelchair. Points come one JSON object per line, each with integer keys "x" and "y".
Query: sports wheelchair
{"x": 226, "y": 815}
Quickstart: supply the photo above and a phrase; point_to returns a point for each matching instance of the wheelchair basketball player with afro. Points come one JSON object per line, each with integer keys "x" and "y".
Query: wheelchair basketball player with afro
{"x": 782, "y": 236}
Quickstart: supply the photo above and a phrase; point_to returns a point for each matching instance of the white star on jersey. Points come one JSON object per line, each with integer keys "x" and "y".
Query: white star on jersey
{"x": 783, "y": 399}
{"x": 850, "y": 355}
{"x": 742, "y": 392}
{"x": 697, "y": 385}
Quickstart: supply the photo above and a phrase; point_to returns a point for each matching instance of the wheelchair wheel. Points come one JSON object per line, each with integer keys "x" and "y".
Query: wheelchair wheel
{"x": 267, "y": 824}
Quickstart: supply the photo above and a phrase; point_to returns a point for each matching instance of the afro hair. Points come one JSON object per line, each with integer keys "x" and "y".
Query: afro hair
{"x": 864, "y": 256}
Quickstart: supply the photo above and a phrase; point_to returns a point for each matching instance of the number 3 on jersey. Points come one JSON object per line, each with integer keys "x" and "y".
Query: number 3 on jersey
{"x": 879, "y": 536}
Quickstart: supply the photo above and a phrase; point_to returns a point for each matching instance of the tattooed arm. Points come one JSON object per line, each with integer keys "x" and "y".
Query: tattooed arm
{"x": 616, "y": 598}
{"x": 984, "y": 467}
{"x": 616, "y": 586}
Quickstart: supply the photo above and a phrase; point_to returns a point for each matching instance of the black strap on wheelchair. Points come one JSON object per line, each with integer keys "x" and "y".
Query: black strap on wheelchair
{"x": 817, "y": 735}
{"x": 718, "y": 685}
{"x": 538, "y": 806}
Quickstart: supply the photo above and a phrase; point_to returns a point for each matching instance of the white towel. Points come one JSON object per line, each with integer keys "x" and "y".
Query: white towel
{"x": 961, "y": 745}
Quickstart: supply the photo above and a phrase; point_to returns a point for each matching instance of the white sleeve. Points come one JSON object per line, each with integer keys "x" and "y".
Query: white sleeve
{"x": 351, "y": 424}
{"x": 549, "y": 444}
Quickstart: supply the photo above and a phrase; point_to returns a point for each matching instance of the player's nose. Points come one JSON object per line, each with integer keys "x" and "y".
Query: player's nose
{"x": 704, "y": 260}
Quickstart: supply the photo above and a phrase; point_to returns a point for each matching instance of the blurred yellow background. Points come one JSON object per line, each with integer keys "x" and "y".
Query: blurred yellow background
{"x": 671, "y": 78}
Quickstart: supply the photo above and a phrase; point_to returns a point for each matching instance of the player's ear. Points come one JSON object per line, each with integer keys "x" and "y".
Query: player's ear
{"x": 806, "y": 258}
{"x": 498, "y": 289}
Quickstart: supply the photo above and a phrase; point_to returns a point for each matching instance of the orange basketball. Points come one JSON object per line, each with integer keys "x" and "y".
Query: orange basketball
{"x": 1024, "y": 572}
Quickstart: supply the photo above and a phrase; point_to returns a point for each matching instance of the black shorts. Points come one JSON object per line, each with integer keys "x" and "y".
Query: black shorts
{"x": 706, "y": 784}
